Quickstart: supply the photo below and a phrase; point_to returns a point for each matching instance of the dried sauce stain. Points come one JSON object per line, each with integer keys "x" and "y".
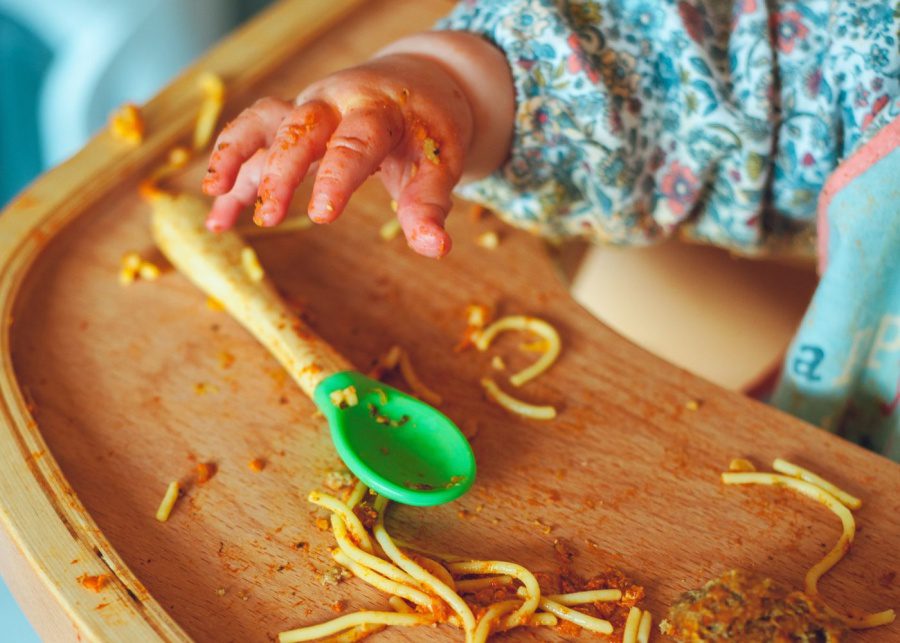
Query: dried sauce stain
{"x": 366, "y": 514}
{"x": 205, "y": 471}
{"x": 94, "y": 583}
{"x": 565, "y": 580}
{"x": 278, "y": 376}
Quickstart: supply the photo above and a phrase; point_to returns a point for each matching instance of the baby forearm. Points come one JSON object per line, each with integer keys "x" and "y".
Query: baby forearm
{"x": 481, "y": 71}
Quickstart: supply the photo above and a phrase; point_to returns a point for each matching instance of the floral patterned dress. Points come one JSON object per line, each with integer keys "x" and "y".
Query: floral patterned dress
{"x": 724, "y": 121}
{"x": 716, "y": 119}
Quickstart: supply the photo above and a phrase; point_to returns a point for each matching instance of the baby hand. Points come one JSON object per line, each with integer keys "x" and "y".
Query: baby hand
{"x": 400, "y": 115}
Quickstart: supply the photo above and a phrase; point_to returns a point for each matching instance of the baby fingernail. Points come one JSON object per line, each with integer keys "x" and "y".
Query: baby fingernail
{"x": 321, "y": 210}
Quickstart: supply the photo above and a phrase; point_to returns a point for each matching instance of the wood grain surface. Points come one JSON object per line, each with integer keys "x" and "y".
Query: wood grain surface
{"x": 131, "y": 386}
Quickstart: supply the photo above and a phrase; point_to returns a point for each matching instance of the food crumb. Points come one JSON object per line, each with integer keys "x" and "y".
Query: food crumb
{"x": 322, "y": 524}
{"x": 127, "y": 124}
{"x": 214, "y": 304}
{"x": 389, "y": 230}
{"x": 489, "y": 240}
{"x": 256, "y": 465}
{"x": 741, "y": 464}
{"x": 93, "y": 583}
{"x": 693, "y": 405}
{"x": 205, "y": 471}
{"x": 168, "y": 501}
{"x": 338, "y": 606}
{"x": 344, "y": 398}
{"x": 148, "y": 271}
{"x": 544, "y": 527}
{"x": 339, "y": 479}
{"x": 477, "y": 316}
{"x": 130, "y": 265}
{"x": 220, "y": 591}
{"x": 497, "y": 363}
{"x": 335, "y": 575}
{"x": 431, "y": 150}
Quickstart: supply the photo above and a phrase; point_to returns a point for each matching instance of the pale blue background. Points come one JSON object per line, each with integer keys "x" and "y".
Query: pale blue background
{"x": 14, "y": 627}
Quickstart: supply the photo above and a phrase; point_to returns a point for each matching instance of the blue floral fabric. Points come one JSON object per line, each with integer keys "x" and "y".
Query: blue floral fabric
{"x": 718, "y": 120}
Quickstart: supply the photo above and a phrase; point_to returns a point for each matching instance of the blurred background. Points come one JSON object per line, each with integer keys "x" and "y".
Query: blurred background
{"x": 64, "y": 66}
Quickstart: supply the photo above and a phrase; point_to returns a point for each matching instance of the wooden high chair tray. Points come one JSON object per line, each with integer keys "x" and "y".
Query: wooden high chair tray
{"x": 107, "y": 393}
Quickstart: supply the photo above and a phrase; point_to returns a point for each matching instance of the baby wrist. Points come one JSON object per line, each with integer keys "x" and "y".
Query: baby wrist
{"x": 482, "y": 73}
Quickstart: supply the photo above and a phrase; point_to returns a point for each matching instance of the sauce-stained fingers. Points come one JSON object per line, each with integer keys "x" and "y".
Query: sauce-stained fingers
{"x": 300, "y": 140}
{"x": 422, "y": 208}
{"x": 355, "y": 151}
{"x": 227, "y": 207}
{"x": 254, "y": 128}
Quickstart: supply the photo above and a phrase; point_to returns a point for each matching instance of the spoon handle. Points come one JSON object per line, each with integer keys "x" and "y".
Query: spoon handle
{"x": 218, "y": 265}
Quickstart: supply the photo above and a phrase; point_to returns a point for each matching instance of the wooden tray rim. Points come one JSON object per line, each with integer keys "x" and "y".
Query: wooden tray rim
{"x": 40, "y": 512}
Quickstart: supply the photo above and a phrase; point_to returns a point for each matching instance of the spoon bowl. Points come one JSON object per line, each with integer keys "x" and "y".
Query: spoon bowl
{"x": 398, "y": 445}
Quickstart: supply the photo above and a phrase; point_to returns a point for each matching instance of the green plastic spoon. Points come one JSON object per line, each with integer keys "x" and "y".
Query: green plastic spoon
{"x": 399, "y": 446}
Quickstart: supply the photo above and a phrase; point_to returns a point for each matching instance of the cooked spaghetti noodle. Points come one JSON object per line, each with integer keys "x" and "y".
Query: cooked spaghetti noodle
{"x": 351, "y": 620}
{"x": 472, "y": 585}
{"x": 565, "y": 613}
{"x": 790, "y": 469}
{"x": 176, "y": 160}
{"x": 398, "y": 357}
{"x": 631, "y": 626}
{"x": 427, "y": 588}
{"x": 353, "y": 523}
{"x": 415, "y": 383}
{"x": 643, "y": 633}
{"x": 213, "y": 100}
{"x": 534, "y": 325}
{"x": 168, "y": 501}
{"x": 820, "y": 490}
{"x": 590, "y": 596}
{"x": 516, "y": 405}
